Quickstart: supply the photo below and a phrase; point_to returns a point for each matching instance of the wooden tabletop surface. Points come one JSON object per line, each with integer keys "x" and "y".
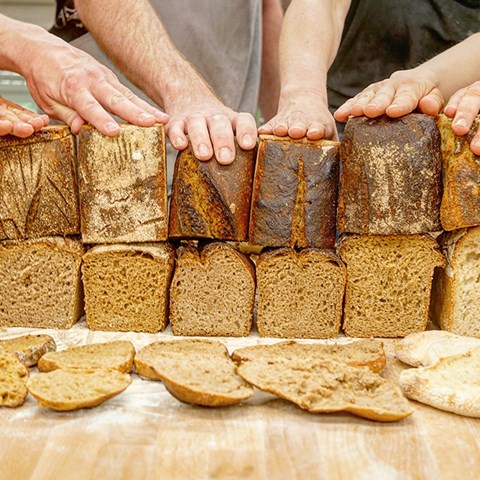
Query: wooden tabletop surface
{"x": 145, "y": 433}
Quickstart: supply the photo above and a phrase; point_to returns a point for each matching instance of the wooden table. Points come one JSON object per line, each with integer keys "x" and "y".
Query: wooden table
{"x": 145, "y": 433}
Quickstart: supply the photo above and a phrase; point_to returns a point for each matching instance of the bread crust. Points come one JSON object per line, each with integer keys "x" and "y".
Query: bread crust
{"x": 29, "y": 348}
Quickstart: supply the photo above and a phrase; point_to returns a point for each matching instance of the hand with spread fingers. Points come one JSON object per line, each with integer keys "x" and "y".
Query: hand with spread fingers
{"x": 18, "y": 121}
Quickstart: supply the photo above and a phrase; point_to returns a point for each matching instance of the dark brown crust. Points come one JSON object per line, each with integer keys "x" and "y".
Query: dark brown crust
{"x": 295, "y": 193}
{"x": 210, "y": 200}
{"x": 391, "y": 176}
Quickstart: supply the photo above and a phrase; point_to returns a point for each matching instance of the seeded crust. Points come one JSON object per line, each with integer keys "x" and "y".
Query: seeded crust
{"x": 29, "y": 348}
{"x": 117, "y": 355}
{"x": 69, "y": 389}
{"x": 13, "y": 375}
{"x": 199, "y": 372}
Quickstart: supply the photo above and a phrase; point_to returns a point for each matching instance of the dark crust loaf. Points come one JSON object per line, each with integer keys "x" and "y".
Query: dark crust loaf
{"x": 38, "y": 185}
{"x": 461, "y": 177}
{"x": 210, "y": 200}
{"x": 391, "y": 176}
{"x": 123, "y": 186}
{"x": 295, "y": 193}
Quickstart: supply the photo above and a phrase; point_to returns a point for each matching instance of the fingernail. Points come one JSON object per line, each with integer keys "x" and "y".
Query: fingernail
{"x": 178, "y": 142}
{"x": 394, "y": 105}
{"x": 225, "y": 154}
{"x": 146, "y": 116}
{"x": 248, "y": 140}
{"x": 112, "y": 127}
{"x": 203, "y": 150}
{"x": 461, "y": 122}
{"x": 159, "y": 113}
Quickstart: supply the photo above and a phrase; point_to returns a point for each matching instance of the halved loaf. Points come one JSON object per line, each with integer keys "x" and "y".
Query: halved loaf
{"x": 361, "y": 353}
{"x": 212, "y": 292}
{"x": 452, "y": 384}
{"x": 29, "y": 348}
{"x": 319, "y": 386}
{"x": 126, "y": 286}
{"x": 422, "y": 349}
{"x": 13, "y": 375}
{"x": 117, "y": 355}
{"x": 74, "y": 389}
{"x": 300, "y": 294}
{"x": 199, "y": 372}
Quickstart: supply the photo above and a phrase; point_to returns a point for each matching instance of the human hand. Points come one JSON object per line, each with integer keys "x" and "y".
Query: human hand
{"x": 302, "y": 113}
{"x": 463, "y": 107}
{"x": 18, "y": 121}
{"x": 396, "y": 96}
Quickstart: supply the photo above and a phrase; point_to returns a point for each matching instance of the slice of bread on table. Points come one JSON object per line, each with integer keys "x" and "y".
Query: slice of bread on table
{"x": 69, "y": 389}
{"x": 29, "y": 348}
{"x": 199, "y": 372}
{"x": 13, "y": 375}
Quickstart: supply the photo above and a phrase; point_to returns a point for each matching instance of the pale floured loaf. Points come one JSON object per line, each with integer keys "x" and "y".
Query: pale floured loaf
{"x": 13, "y": 375}
{"x": 389, "y": 281}
{"x": 212, "y": 292}
{"x": 360, "y": 353}
{"x": 29, "y": 348}
{"x": 300, "y": 294}
{"x": 199, "y": 372}
{"x": 123, "y": 186}
{"x": 116, "y": 355}
{"x": 422, "y": 349}
{"x": 452, "y": 384}
{"x": 40, "y": 283}
{"x": 319, "y": 386}
{"x": 69, "y": 389}
{"x": 127, "y": 286}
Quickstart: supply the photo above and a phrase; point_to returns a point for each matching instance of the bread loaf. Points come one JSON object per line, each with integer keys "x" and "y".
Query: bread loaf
{"x": 40, "y": 284}
{"x": 123, "y": 189}
{"x": 461, "y": 177}
{"x": 391, "y": 176}
{"x": 300, "y": 294}
{"x": 210, "y": 200}
{"x": 295, "y": 193}
{"x": 389, "y": 281}
{"x": 212, "y": 292}
{"x": 456, "y": 291}
{"x": 38, "y": 186}
{"x": 126, "y": 286}
{"x": 29, "y": 348}
{"x": 13, "y": 375}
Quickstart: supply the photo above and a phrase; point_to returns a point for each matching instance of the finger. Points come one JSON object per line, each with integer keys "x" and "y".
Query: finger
{"x": 176, "y": 134}
{"x": 475, "y": 143}
{"x": 280, "y": 127}
{"x": 6, "y": 127}
{"x": 380, "y": 101}
{"x": 266, "y": 129}
{"x": 297, "y": 124}
{"x": 451, "y": 108}
{"x": 221, "y": 134}
{"x": 245, "y": 130}
{"x": 405, "y": 101}
{"x": 68, "y": 116}
{"x": 360, "y": 101}
{"x": 344, "y": 111}
{"x": 197, "y": 130}
{"x": 467, "y": 109}
{"x": 432, "y": 103}
{"x": 315, "y": 130}
{"x": 14, "y": 125}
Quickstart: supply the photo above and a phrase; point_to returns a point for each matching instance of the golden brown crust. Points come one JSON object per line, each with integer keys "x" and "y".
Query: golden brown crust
{"x": 29, "y": 348}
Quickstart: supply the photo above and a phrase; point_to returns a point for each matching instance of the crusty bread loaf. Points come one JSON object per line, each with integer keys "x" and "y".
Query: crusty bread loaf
{"x": 210, "y": 200}
{"x": 452, "y": 384}
{"x": 361, "y": 353}
{"x": 319, "y": 386}
{"x": 456, "y": 293}
{"x": 126, "y": 286}
{"x": 29, "y": 348}
{"x": 40, "y": 283}
{"x": 391, "y": 176}
{"x": 295, "y": 193}
{"x": 300, "y": 294}
{"x": 199, "y": 372}
{"x": 69, "y": 389}
{"x": 123, "y": 187}
{"x": 212, "y": 292}
{"x": 13, "y": 375}
{"x": 116, "y": 355}
{"x": 461, "y": 177}
{"x": 422, "y": 349}
{"x": 38, "y": 186}
{"x": 389, "y": 280}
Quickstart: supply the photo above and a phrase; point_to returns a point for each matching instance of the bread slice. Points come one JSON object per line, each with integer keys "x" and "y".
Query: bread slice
{"x": 127, "y": 286}
{"x": 455, "y": 302}
{"x": 212, "y": 292}
{"x": 117, "y": 355}
{"x": 29, "y": 348}
{"x": 40, "y": 284}
{"x": 423, "y": 349}
{"x": 389, "y": 280}
{"x": 123, "y": 186}
{"x": 69, "y": 389}
{"x": 361, "y": 353}
{"x": 452, "y": 384}
{"x": 300, "y": 294}
{"x": 319, "y": 386}
{"x": 199, "y": 372}
{"x": 13, "y": 375}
